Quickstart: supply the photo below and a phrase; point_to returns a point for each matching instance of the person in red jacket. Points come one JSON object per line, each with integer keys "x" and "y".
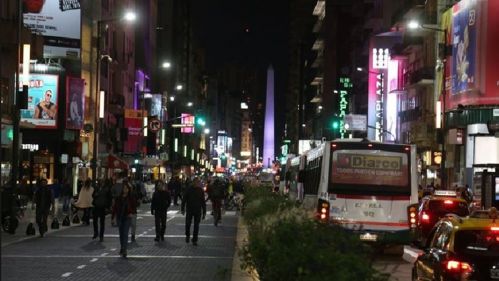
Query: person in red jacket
{"x": 124, "y": 208}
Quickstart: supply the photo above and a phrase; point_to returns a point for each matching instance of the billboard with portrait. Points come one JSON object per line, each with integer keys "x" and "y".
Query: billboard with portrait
{"x": 473, "y": 65}
{"x": 75, "y": 103}
{"x": 59, "y": 21}
{"x": 42, "y": 101}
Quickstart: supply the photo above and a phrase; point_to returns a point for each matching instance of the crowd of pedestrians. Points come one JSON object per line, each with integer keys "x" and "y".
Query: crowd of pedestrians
{"x": 121, "y": 196}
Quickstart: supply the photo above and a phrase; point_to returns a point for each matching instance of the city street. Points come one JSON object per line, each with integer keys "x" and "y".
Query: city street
{"x": 71, "y": 254}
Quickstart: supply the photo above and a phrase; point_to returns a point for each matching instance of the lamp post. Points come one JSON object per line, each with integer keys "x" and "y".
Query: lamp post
{"x": 416, "y": 25}
{"x": 100, "y": 94}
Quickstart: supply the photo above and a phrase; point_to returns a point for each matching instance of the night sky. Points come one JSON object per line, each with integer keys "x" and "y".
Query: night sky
{"x": 250, "y": 32}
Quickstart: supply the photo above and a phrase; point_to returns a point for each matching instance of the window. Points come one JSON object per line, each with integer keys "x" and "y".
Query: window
{"x": 442, "y": 236}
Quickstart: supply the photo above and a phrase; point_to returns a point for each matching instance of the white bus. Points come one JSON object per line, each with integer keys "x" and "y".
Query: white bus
{"x": 365, "y": 186}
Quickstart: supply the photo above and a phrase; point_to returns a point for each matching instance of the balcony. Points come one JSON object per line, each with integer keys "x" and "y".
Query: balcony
{"x": 422, "y": 76}
{"x": 410, "y": 115}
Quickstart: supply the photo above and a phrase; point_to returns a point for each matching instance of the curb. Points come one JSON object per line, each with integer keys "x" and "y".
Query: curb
{"x": 411, "y": 254}
{"x": 239, "y": 274}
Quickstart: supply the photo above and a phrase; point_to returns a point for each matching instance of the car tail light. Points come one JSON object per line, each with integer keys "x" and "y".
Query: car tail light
{"x": 425, "y": 217}
{"x": 448, "y": 202}
{"x": 455, "y": 266}
{"x": 494, "y": 229}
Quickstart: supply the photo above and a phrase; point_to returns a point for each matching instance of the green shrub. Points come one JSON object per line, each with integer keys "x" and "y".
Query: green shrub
{"x": 286, "y": 243}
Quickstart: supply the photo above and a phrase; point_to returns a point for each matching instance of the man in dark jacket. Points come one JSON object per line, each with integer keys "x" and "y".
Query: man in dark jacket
{"x": 174, "y": 186}
{"x": 194, "y": 203}
{"x": 102, "y": 198}
{"x": 161, "y": 200}
{"x": 44, "y": 201}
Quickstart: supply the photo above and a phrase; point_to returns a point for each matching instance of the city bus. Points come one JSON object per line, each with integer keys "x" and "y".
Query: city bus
{"x": 367, "y": 187}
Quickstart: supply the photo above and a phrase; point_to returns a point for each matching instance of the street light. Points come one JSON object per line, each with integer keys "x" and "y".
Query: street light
{"x": 166, "y": 65}
{"x": 179, "y": 87}
{"x": 440, "y": 114}
{"x": 172, "y": 98}
{"x": 129, "y": 16}
{"x": 190, "y": 104}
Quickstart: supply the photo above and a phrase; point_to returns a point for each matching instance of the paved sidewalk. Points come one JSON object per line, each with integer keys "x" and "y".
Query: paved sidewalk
{"x": 30, "y": 217}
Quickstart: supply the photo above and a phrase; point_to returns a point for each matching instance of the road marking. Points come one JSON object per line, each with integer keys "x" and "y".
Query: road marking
{"x": 116, "y": 256}
{"x": 104, "y": 254}
{"x": 113, "y": 249}
{"x": 173, "y": 212}
{"x": 81, "y": 266}
{"x": 139, "y": 218}
{"x": 67, "y": 274}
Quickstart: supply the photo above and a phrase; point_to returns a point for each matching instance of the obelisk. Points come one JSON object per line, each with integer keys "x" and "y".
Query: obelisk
{"x": 269, "y": 131}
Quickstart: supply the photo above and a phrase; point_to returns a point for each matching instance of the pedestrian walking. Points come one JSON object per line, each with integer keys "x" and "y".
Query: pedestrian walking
{"x": 44, "y": 201}
{"x": 66, "y": 194}
{"x": 161, "y": 200}
{"x": 116, "y": 190}
{"x": 85, "y": 201}
{"x": 102, "y": 202}
{"x": 123, "y": 209}
{"x": 174, "y": 186}
{"x": 216, "y": 195}
{"x": 137, "y": 195}
{"x": 193, "y": 207}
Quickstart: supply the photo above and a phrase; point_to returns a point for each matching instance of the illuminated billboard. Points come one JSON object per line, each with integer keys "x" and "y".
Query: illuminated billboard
{"x": 75, "y": 103}
{"x": 43, "y": 101}
{"x": 188, "y": 121}
{"x": 473, "y": 65}
{"x": 59, "y": 22}
{"x": 361, "y": 167}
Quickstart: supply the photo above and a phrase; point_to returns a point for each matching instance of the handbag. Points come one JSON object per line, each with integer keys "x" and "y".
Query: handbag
{"x": 30, "y": 230}
{"x": 76, "y": 219}
{"x": 55, "y": 224}
{"x": 66, "y": 221}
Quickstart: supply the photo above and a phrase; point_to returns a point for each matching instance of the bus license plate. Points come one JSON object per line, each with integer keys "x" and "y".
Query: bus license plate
{"x": 368, "y": 237}
{"x": 494, "y": 273}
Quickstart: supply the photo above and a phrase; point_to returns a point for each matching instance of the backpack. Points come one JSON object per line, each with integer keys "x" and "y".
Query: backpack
{"x": 76, "y": 219}
{"x": 30, "y": 230}
{"x": 66, "y": 221}
{"x": 55, "y": 224}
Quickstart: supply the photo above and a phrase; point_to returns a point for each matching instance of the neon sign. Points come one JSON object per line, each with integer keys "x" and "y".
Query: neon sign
{"x": 380, "y": 58}
{"x": 345, "y": 83}
{"x": 379, "y": 105}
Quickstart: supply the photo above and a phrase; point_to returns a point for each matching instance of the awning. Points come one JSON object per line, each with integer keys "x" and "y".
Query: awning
{"x": 115, "y": 162}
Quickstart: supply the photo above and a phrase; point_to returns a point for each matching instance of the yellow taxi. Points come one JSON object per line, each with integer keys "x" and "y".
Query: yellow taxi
{"x": 434, "y": 207}
{"x": 461, "y": 249}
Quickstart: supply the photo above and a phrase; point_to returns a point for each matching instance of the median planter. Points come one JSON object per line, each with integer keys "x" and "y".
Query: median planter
{"x": 286, "y": 243}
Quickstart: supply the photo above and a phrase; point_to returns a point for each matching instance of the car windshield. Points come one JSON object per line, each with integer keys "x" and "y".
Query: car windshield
{"x": 442, "y": 207}
{"x": 477, "y": 242}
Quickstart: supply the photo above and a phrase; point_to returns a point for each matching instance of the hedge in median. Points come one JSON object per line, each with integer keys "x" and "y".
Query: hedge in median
{"x": 286, "y": 243}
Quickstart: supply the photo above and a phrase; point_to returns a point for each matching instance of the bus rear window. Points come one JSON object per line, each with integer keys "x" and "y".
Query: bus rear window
{"x": 477, "y": 243}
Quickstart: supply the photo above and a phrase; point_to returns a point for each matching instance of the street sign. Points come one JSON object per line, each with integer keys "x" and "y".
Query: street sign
{"x": 154, "y": 125}
{"x": 354, "y": 122}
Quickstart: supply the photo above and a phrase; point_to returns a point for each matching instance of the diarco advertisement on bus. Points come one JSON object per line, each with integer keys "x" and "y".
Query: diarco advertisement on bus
{"x": 42, "y": 101}
{"x": 369, "y": 168}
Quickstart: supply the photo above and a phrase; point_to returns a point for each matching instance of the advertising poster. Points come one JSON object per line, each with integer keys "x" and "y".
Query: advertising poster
{"x": 361, "y": 167}
{"x": 42, "y": 101}
{"x": 473, "y": 65}
{"x": 75, "y": 103}
{"x": 58, "y": 21}
{"x": 156, "y": 105}
{"x": 134, "y": 122}
{"x": 464, "y": 40}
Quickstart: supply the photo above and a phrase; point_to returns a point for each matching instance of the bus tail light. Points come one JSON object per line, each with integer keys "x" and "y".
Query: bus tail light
{"x": 323, "y": 210}
{"x": 412, "y": 212}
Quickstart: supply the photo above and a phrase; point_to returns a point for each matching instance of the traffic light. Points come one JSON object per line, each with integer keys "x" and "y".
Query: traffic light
{"x": 200, "y": 120}
{"x": 335, "y": 124}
